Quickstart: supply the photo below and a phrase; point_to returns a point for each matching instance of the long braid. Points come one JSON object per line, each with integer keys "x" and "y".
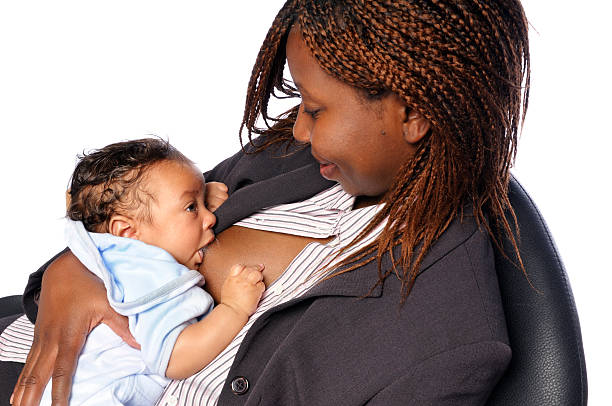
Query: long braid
{"x": 266, "y": 76}
{"x": 462, "y": 64}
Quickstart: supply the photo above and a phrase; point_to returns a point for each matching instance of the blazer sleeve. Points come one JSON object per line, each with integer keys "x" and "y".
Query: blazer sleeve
{"x": 463, "y": 376}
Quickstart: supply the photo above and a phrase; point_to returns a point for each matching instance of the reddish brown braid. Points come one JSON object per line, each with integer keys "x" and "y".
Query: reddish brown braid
{"x": 462, "y": 64}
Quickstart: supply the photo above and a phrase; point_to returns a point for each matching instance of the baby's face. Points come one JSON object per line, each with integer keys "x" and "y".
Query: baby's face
{"x": 181, "y": 224}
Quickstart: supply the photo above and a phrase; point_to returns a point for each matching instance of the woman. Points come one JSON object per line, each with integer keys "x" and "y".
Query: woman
{"x": 413, "y": 108}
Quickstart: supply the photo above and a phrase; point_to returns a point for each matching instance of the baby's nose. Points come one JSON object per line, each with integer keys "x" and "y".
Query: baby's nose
{"x": 209, "y": 219}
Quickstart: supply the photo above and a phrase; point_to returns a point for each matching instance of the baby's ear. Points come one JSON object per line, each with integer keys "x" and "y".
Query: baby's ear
{"x": 122, "y": 226}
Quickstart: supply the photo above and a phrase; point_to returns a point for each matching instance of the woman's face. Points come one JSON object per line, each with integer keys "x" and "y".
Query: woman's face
{"x": 359, "y": 143}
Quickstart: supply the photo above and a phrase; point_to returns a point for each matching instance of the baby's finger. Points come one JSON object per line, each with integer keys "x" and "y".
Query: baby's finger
{"x": 236, "y": 270}
{"x": 210, "y": 186}
{"x": 216, "y": 195}
{"x": 219, "y": 194}
{"x": 261, "y": 285}
{"x": 254, "y": 268}
{"x": 254, "y": 276}
{"x": 214, "y": 202}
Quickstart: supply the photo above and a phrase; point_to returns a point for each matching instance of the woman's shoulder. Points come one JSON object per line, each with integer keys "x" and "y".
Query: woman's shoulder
{"x": 463, "y": 236}
{"x": 458, "y": 284}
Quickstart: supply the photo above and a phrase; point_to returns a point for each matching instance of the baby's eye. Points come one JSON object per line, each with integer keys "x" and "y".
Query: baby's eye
{"x": 192, "y": 207}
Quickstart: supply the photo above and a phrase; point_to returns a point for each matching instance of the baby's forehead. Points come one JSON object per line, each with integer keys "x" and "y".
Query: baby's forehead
{"x": 174, "y": 178}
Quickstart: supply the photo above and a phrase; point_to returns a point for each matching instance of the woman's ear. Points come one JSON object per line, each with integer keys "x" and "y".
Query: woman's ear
{"x": 122, "y": 226}
{"x": 415, "y": 126}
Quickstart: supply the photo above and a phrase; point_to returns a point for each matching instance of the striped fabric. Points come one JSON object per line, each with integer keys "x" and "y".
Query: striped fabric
{"x": 16, "y": 340}
{"x": 327, "y": 214}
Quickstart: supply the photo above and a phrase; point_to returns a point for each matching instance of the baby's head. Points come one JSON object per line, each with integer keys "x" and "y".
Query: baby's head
{"x": 147, "y": 190}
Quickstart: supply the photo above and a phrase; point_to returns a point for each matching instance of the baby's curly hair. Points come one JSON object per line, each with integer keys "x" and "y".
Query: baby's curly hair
{"x": 108, "y": 181}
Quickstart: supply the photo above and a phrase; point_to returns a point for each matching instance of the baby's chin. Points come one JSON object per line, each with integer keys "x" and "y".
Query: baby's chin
{"x": 193, "y": 265}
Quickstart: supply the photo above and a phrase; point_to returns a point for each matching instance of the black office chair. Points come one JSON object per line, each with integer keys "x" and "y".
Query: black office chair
{"x": 547, "y": 366}
{"x": 10, "y": 305}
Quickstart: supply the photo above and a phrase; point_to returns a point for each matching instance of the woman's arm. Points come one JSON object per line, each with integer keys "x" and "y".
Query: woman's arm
{"x": 284, "y": 179}
{"x": 31, "y": 293}
{"x": 72, "y": 302}
{"x": 462, "y": 376}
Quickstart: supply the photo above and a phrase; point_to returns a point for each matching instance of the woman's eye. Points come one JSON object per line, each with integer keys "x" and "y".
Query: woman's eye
{"x": 312, "y": 113}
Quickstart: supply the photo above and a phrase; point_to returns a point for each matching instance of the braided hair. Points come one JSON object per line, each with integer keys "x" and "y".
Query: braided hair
{"x": 462, "y": 64}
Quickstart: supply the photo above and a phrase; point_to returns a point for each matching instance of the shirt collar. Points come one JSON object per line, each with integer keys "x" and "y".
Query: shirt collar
{"x": 334, "y": 198}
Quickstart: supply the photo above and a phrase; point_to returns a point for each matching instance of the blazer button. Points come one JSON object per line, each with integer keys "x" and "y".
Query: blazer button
{"x": 240, "y": 385}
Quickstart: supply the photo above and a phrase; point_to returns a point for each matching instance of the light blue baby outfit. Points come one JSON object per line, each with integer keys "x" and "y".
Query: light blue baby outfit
{"x": 160, "y": 297}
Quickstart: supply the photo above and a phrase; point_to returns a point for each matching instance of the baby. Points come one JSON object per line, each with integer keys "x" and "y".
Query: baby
{"x": 138, "y": 219}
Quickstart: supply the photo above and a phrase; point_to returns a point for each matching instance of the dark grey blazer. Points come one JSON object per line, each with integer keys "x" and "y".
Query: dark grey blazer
{"x": 447, "y": 345}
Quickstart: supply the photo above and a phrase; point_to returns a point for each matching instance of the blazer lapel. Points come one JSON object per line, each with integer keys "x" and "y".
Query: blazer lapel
{"x": 361, "y": 282}
{"x": 272, "y": 191}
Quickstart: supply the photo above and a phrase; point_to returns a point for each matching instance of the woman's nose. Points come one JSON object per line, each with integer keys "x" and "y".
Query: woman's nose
{"x": 301, "y": 130}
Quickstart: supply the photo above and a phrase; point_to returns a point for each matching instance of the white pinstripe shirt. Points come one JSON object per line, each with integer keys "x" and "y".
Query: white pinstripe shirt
{"x": 327, "y": 214}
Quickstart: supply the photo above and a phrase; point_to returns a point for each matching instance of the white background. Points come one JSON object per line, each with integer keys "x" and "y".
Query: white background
{"x": 76, "y": 75}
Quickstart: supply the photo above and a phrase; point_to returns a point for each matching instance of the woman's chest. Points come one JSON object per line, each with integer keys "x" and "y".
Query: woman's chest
{"x": 241, "y": 245}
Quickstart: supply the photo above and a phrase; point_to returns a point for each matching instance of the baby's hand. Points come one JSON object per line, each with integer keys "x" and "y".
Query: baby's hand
{"x": 243, "y": 288}
{"x": 216, "y": 194}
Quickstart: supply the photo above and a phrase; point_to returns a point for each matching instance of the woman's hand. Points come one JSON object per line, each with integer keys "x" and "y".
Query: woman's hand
{"x": 72, "y": 302}
{"x": 216, "y": 194}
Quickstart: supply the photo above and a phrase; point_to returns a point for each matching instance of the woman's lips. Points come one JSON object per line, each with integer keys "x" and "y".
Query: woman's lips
{"x": 327, "y": 170}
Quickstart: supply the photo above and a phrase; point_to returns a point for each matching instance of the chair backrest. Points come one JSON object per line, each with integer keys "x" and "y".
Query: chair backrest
{"x": 547, "y": 366}
{"x": 10, "y": 305}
